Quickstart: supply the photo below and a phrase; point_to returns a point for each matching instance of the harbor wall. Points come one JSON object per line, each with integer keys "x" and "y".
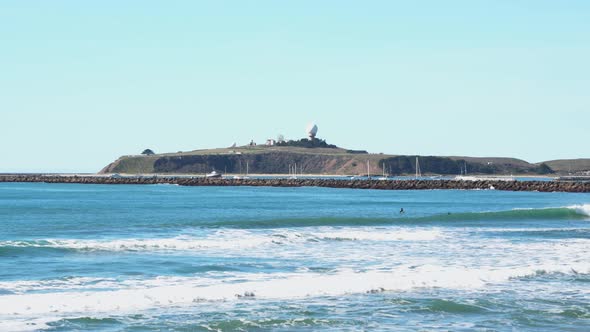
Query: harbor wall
{"x": 541, "y": 186}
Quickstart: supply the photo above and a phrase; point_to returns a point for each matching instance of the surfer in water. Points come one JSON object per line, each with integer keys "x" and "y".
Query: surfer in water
{"x": 401, "y": 211}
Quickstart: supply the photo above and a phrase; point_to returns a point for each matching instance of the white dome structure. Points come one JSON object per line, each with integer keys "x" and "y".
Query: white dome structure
{"x": 312, "y": 130}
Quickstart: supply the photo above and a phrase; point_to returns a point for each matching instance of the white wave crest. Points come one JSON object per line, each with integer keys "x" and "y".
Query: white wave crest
{"x": 135, "y": 244}
{"x": 581, "y": 209}
{"x": 231, "y": 240}
{"x": 23, "y": 286}
{"x": 167, "y": 292}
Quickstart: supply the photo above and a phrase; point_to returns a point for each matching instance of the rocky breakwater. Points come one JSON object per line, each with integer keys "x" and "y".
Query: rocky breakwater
{"x": 542, "y": 186}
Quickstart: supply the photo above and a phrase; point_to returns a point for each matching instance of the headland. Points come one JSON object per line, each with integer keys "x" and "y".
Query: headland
{"x": 315, "y": 156}
{"x": 285, "y": 160}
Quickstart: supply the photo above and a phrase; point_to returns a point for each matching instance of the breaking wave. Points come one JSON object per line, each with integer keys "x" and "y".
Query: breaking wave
{"x": 576, "y": 212}
{"x": 583, "y": 209}
{"x": 166, "y": 292}
{"x": 220, "y": 241}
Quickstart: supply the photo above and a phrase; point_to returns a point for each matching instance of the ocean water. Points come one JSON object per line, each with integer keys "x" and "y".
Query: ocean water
{"x": 162, "y": 257}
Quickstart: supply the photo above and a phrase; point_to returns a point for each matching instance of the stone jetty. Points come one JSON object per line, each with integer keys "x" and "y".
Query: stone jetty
{"x": 541, "y": 186}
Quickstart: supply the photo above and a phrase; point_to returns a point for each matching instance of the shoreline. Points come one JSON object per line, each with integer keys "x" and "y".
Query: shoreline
{"x": 541, "y": 186}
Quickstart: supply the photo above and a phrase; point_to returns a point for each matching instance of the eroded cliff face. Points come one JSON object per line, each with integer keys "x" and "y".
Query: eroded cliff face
{"x": 110, "y": 168}
{"x": 131, "y": 165}
{"x": 264, "y": 163}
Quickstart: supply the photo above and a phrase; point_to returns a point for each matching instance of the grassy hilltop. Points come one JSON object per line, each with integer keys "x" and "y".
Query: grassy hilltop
{"x": 315, "y": 160}
{"x": 570, "y": 166}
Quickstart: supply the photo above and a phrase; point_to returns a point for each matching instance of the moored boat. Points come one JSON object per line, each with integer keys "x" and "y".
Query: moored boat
{"x": 213, "y": 174}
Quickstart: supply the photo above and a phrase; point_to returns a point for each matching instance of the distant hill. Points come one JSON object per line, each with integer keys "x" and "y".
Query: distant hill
{"x": 328, "y": 160}
{"x": 566, "y": 166}
{"x": 459, "y": 165}
{"x": 258, "y": 159}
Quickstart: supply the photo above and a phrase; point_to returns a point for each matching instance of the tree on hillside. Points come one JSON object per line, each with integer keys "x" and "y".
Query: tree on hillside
{"x": 148, "y": 152}
{"x": 308, "y": 143}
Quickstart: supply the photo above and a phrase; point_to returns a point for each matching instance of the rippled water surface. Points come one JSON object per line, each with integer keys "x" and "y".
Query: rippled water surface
{"x": 162, "y": 257}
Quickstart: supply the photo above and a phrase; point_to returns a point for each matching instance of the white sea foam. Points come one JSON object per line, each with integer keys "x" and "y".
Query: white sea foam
{"x": 165, "y": 292}
{"x": 522, "y": 229}
{"x": 231, "y": 240}
{"x": 25, "y": 324}
{"x": 382, "y": 235}
{"x": 101, "y": 284}
{"x": 23, "y": 286}
{"x": 581, "y": 208}
{"x": 134, "y": 244}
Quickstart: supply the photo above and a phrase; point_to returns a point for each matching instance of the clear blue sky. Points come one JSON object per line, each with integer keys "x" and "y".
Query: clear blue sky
{"x": 83, "y": 82}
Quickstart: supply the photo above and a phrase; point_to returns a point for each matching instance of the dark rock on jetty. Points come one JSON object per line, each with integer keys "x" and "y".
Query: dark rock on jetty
{"x": 543, "y": 186}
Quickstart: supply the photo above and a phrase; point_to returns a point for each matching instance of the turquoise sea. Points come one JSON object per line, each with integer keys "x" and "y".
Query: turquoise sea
{"x": 162, "y": 257}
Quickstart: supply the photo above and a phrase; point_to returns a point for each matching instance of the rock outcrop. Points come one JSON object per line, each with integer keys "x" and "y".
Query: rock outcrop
{"x": 542, "y": 186}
